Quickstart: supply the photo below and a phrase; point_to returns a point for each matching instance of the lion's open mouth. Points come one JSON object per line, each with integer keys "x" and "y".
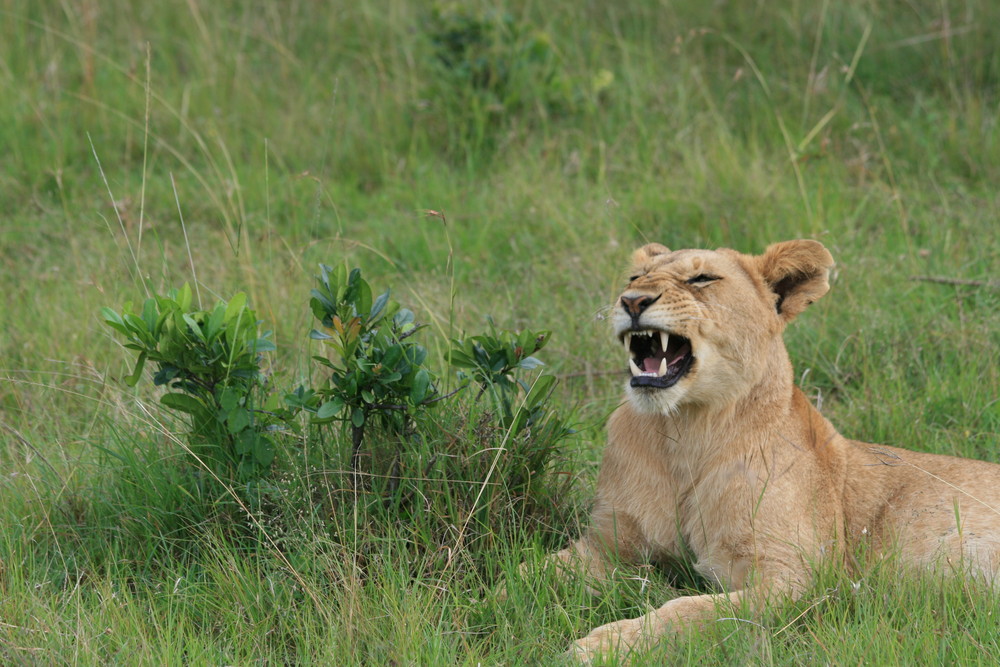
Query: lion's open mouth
{"x": 657, "y": 359}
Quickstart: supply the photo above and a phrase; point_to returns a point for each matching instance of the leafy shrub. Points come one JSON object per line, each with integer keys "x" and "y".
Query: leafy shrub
{"x": 377, "y": 370}
{"x": 529, "y": 430}
{"x": 483, "y": 467}
{"x": 506, "y": 63}
{"x": 484, "y": 464}
{"x": 489, "y": 67}
{"x": 212, "y": 359}
{"x": 493, "y": 358}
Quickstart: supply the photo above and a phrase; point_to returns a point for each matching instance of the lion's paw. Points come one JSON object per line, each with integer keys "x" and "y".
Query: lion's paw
{"x": 616, "y": 638}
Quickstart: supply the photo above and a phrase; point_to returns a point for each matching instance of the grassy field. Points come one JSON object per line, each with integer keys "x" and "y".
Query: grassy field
{"x": 238, "y": 145}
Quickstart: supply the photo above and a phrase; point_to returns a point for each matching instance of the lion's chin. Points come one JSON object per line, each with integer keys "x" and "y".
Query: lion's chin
{"x": 651, "y": 401}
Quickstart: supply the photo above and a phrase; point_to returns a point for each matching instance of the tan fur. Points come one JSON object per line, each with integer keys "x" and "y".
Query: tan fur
{"x": 734, "y": 469}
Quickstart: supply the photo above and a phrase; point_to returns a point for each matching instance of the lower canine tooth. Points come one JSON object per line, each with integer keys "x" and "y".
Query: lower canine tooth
{"x": 663, "y": 367}
{"x": 635, "y": 369}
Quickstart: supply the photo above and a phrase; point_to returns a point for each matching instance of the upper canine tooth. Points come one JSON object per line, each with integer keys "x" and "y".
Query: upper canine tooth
{"x": 663, "y": 367}
{"x": 664, "y": 339}
{"x": 635, "y": 369}
{"x": 628, "y": 342}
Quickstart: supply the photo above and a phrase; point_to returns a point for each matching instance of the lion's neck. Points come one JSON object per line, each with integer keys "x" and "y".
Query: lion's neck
{"x": 706, "y": 431}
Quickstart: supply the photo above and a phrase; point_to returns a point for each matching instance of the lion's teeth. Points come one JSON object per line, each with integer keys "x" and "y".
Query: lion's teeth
{"x": 636, "y": 372}
{"x": 663, "y": 367}
{"x": 664, "y": 339}
{"x": 628, "y": 342}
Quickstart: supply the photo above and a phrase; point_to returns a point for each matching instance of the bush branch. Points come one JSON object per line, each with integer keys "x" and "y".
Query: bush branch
{"x": 990, "y": 284}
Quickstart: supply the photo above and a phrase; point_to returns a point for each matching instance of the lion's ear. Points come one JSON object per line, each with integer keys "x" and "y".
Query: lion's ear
{"x": 797, "y": 272}
{"x": 648, "y": 252}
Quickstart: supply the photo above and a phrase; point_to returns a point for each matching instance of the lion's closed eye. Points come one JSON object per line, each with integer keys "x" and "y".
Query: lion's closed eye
{"x": 702, "y": 279}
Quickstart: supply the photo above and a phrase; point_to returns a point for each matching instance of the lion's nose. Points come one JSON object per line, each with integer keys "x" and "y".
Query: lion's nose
{"x": 635, "y": 305}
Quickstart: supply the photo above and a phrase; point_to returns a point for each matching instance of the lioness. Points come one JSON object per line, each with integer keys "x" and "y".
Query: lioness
{"x": 718, "y": 458}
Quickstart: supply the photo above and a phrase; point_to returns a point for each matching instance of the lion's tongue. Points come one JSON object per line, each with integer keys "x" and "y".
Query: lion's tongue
{"x": 652, "y": 364}
{"x": 684, "y": 350}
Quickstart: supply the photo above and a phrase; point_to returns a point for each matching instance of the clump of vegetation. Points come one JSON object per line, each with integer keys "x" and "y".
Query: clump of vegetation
{"x": 503, "y": 64}
{"x": 377, "y": 370}
{"x": 211, "y": 359}
{"x": 490, "y": 68}
{"x": 378, "y": 388}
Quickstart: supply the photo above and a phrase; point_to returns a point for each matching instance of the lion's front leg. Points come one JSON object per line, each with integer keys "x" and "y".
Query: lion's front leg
{"x": 582, "y": 558}
{"x": 621, "y": 637}
{"x": 618, "y": 638}
{"x": 689, "y": 611}
{"x": 612, "y": 539}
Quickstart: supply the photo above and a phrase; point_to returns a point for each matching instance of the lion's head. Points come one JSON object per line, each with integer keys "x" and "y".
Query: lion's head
{"x": 704, "y": 326}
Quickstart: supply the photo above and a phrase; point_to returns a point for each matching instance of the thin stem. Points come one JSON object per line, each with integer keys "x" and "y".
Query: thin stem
{"x": 357, "y": 437}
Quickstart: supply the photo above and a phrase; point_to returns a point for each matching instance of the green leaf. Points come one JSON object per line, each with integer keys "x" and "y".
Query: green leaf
{"x": 539, "y": 391}
{"x": 132, "y": 379}
{"x": 459, "y": 358}
{"x": 321, "y": 306}
{"x": 166, "y": 373}
{"x": 418, "y": 354}
{"x": 183, "y": 403}
{"x": 392, "y": 356}
{"x": 149, "y": 313}
{"x": 364, "y": 299}
{"x": 214, "y": 324}
{"x": 139, "y": 330}
{"x": 330, "y": 409}
{"x": 167, "y": 308}
{"x": 339, "y": 284}
{"x": 378, "y": 306}
{"x": 183, "y": 297}
{"x": 542, "y": 339}
{"x": 263, "y": 451}
{"x": 245, "y": 442}
{"x": 358, "y": 417}
{"x": 273, "y": 402}
{"x": 520, "y": 419}
{"x": 324, "y": 274}
{"x": 114, "y": 320}
{"x": 526, "y": 340}
{"x": 246, "y": 470}
{"x": 238, "y": 330}
{"x": 403, "y": 318}
{"x": 236, "y": 304}
{"x": 529, "y": 363}
{"x": 421, "y": 383}
{"x": 301, "y": 397}
{"x": 324, "y": 361}
{"x": 238, "y": 420}
{"x": 194, "y": 326}
{"x": 264, "y": 345}
{"x": 229, "y": 399}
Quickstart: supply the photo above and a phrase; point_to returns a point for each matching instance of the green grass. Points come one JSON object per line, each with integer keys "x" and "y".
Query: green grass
{"x": 288, "y": 134}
